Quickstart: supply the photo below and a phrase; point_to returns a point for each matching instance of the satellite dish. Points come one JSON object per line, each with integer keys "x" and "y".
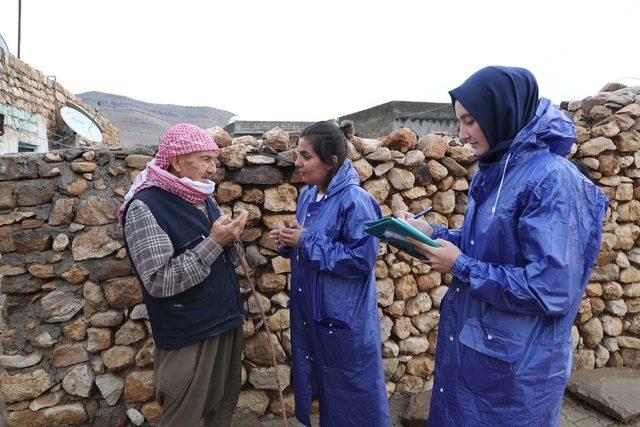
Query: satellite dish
{"x": 81, "y": 122}
{"x": 3, "y": 46}
{"x": 233, "y": 119}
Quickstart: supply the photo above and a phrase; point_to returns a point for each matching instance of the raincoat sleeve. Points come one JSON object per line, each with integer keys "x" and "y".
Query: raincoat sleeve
{"x": 353, "y": 252}
{"x": 442, "y": 232}
{"x": 554, "y": 235}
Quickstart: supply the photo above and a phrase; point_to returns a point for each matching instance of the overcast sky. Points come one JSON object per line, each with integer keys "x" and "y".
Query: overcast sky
{"x": 313, "y": 60}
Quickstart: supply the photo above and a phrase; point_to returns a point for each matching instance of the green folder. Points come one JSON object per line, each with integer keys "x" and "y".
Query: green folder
{"x": 395, "y": 231}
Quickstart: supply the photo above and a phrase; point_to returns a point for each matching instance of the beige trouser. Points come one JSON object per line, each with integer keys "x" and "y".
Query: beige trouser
{"x": 200, "y": 381}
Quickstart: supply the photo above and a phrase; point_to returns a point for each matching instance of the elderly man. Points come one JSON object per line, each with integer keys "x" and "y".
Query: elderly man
{"x": 182, "y": 249}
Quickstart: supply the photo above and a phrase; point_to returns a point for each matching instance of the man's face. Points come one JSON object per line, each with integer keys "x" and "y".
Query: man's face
{"x": 470, "y": 131}
{"x": 199, "y": 166}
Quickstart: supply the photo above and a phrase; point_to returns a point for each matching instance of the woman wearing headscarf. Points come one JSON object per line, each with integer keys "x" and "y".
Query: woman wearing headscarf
{"x": 335, "y": 327}
{"x": 520, "y": 263}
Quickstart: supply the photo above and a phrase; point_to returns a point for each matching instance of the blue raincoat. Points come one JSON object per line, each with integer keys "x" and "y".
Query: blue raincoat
{"x": 335, "y": 327}
{"x": 530, "y": 238}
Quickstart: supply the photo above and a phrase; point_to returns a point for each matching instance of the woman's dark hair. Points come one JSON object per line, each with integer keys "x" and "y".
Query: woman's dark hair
{"x": 328, "y": 140}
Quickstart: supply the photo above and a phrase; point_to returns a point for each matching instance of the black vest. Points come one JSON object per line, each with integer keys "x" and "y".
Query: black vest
{"x": 202, "y": 311}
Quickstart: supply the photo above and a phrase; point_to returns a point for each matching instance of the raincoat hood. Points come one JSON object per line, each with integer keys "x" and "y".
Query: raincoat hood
{"x": 345, "y": 176}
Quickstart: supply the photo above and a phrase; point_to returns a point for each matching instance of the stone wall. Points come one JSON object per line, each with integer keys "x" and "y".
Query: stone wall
{"x": 607, "y": 328}
{"x": 29, "y": 102}
{"x": 77, "y": 346}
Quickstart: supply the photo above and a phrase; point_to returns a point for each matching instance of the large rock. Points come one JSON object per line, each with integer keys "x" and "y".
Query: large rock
{"x": 405, "y": 287}
{"x": 385, "y": 292}
{"x": 264, "y": 175}
{"x": 137, "y": 161}
{"x": 264, "y": 378}
{"x": 414, "y": 345}
{"x": 76, "y": 275}
{"x": 401, "y": 179}
{"x": 18, "y": 361}
{"x": 46, "y": 400}
{"x": 152, "y": 411}
{"x": 123, "y": 292}
{"x": 71, "y": 413}
{"x": 138, "y": 387}
{"x": 233, "y": 156}
{"x": 98, "y": 339}
{"x": 106, "y": 319}
{"x": 130, "y": 333}
{"x": 403, "y": 139}
{"x": 256, "y": 401}
{"x": 94, "y": 295}
{"x": 110, "y": 387}
{"x": 257, "y": 349}
{"x": 220, "y": 136}
{"x": 96, "y": 210}
{"x": 61, "y": 212}
{"x": 60, "y": 306}
{"x": 595, "y": 146}
{"x": 417, "y": 412}
{"x": 228, "y": 191}
{"x": 281, "y": 199}
{"x": 279, "y": 321}
{"x": 68, "y": 354}
{"x": 118, "y": 357}
{"x": 433, "y": 146}
{"x": 34, "y": 193}
{"x": 94, "y": 243}
{"x": 79, "y": 381}
{"x": 378, "y": 188}
{"x": 614, "y": 391}
{"x": 15, "y": 388}
{"x": 276, "y": 139}
{"x": 592, "y": 332}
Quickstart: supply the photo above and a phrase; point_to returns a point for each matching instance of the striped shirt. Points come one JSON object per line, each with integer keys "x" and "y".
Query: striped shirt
{"x": 151, "y": 250}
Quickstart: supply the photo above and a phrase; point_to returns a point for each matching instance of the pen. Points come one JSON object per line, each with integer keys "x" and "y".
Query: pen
{"x": 422, "y": 212}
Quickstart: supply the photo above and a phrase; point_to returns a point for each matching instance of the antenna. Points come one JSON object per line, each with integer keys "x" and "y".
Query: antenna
{"x": 80, "y": 122}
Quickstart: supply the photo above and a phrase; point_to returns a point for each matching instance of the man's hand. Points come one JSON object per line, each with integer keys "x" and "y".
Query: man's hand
{"x": 417, "y": 223}
{"x": 442, "y": 258}
{"x": 225, "y": 231}
{"x": 290, "y": 235}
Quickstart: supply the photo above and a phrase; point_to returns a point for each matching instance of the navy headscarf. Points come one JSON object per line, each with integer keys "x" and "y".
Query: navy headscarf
{"x": 502, "y": 100}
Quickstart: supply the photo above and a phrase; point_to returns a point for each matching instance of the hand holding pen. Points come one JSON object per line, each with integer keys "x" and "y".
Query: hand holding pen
{"x": 414, "y": 220}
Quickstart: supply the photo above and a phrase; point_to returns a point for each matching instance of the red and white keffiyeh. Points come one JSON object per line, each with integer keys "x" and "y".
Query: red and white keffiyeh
{"x": 180, "y": 139}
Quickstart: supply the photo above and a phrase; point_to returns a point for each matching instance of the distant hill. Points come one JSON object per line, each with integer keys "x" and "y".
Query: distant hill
{"x": 145, "y": 123}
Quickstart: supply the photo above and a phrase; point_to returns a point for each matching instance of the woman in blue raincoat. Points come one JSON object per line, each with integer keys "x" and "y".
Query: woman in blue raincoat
{"x": 520, "y": 262}
{"x": 335, "y": 327}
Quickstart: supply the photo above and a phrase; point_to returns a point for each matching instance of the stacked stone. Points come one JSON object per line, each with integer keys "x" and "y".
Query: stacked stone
{"x": 30, "y": 90}
{"x": 77, "y": 345}
{"x": 607, "y": 331}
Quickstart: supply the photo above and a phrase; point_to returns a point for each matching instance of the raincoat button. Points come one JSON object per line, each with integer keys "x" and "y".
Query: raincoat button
{"x": 489, "y": 337}
{"x": 299, "y": 289}
{"x": 451, "y": 338}
{"x": 473, "y": 243}
{"x": 308, "y": 215}
{"x": 457, "y": 289}
{"x": 306, "y": 357}
{"x": 304, "y": 323}
{"x": 331, "y": 332}
{"x": 441, "y": 389}
{"x": 330, "y": 324}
